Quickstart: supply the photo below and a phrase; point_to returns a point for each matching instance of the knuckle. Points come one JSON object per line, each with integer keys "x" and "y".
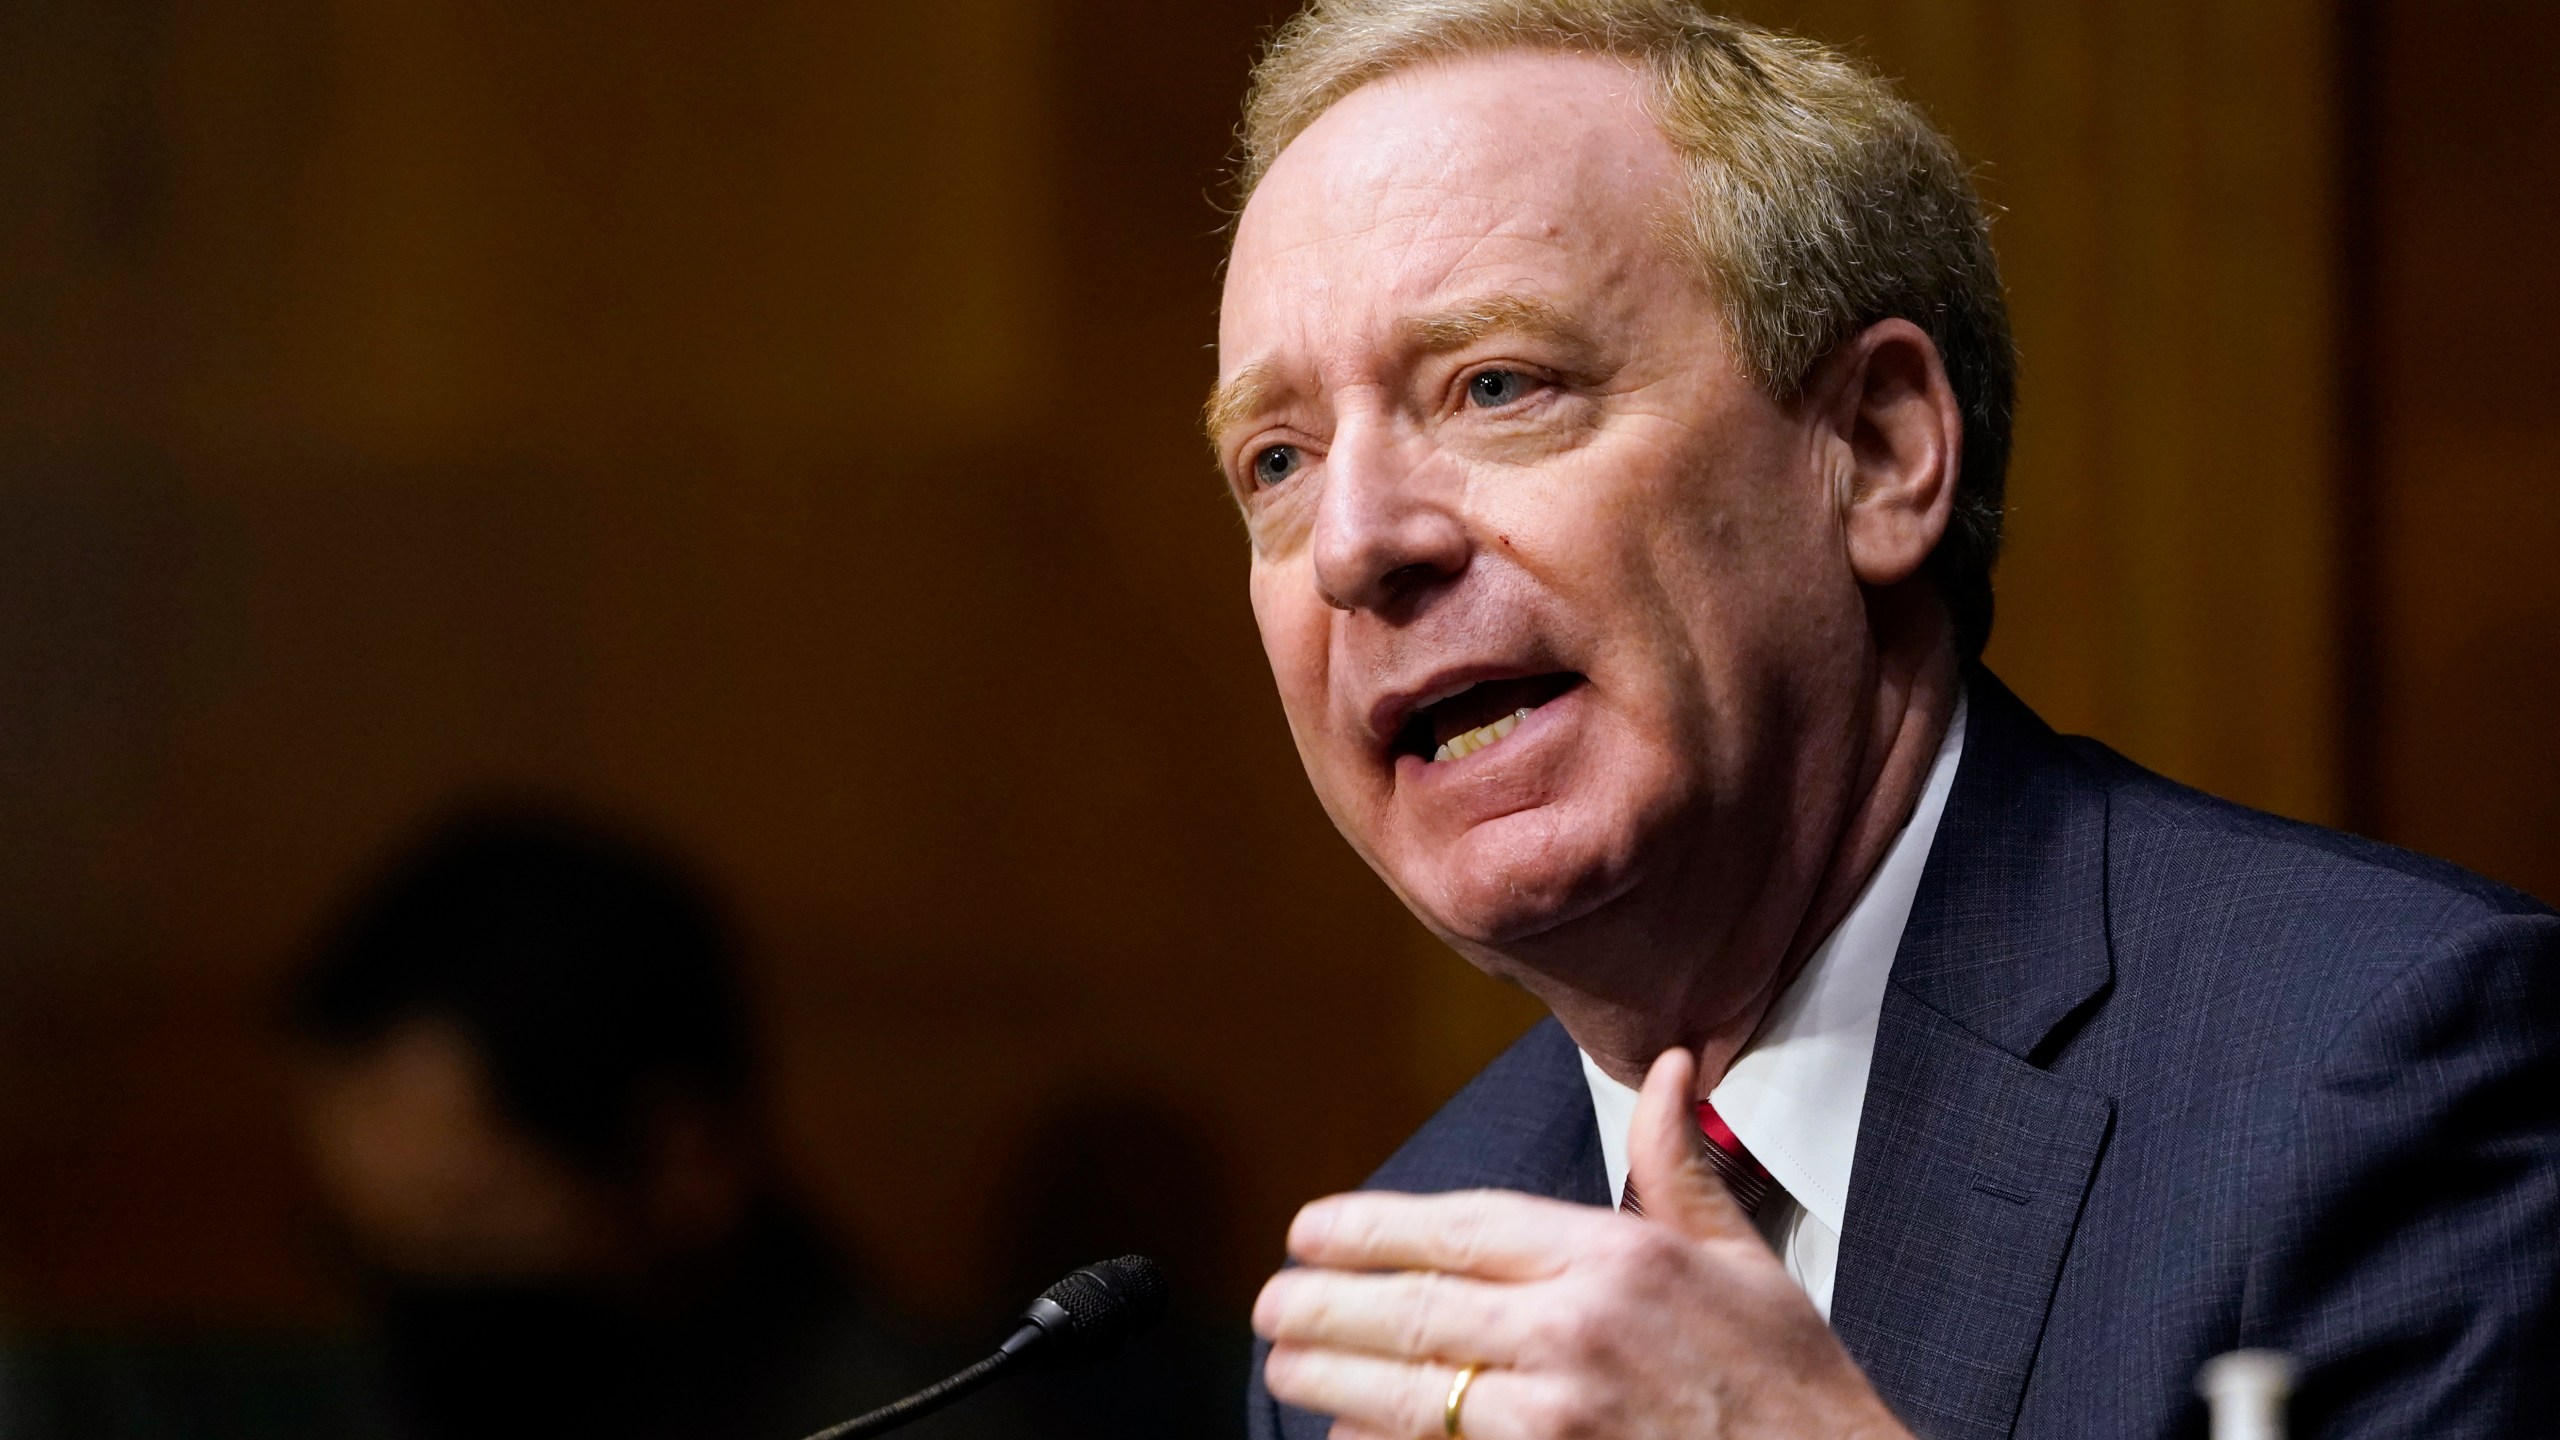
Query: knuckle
{"x": 1585, "y": 1331}
{"x": 1414, "y": 1327}
{"x": 1548, "y": 1332}
{"x": 1548, "y": 1408}
{"x": 1314, "y": 1308}
{"x": 1466, "y": 1232}
{"x": 1302, "y": 1310}
{"x": 1581, "y": 1412}
{"x": 1417, "y": 1411}
{"x": 1346, "y": 1227}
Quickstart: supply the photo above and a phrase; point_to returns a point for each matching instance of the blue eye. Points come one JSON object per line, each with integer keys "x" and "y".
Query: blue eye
{"x": 1275, "y": 464}
{"x": 1493, "y": 389}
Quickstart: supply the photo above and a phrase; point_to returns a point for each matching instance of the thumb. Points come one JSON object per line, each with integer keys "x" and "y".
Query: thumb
{"x": 1667, "y": 1158}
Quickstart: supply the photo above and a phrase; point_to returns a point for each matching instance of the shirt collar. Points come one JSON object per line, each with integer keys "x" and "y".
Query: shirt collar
{"x": 1795, "y": 1094}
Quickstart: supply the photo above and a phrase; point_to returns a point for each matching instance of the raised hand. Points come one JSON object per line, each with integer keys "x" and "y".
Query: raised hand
{"x": 1681, "y": 1325}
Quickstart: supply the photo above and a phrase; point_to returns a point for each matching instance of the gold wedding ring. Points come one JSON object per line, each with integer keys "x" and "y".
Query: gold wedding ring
{"x": 1457, "y": 1398}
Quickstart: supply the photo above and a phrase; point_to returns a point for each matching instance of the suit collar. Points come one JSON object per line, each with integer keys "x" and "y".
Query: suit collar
{"x": 1795, "y": 1094}
{"x": 2008, "y": 935}
{"x": 1972, "y": 1160}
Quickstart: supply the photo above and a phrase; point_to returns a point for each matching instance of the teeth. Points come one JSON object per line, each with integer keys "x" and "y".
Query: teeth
{"x": 1458, "y": 747}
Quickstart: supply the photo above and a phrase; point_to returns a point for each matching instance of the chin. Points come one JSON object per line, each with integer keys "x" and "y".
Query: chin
{"x": 1512, "y": 880}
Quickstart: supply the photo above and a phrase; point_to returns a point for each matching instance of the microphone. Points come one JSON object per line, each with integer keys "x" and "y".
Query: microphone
{"x": 1082, "y": 1319}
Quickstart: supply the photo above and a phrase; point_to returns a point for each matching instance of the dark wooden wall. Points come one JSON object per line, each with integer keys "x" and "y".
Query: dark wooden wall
{"x": 2457, "y": 635}
{"x": 2163, "y": 177}
{"x": 773, "y": 422}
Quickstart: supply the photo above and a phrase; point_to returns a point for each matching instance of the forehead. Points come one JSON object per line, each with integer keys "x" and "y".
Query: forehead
{"x": 1519, "y": 172}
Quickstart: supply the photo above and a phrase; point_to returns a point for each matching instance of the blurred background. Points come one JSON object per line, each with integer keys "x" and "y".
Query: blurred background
{"x": 767, "y": 430}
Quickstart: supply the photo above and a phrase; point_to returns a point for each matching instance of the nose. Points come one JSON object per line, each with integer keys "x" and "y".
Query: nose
{"x": 1386, "y": 528}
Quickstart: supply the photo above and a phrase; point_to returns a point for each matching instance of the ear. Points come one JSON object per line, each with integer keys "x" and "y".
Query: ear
{"x": 1893, "y": 436}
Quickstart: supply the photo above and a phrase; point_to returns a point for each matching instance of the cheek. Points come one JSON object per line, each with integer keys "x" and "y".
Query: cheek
{"x": 1596, "y": 548}
{"x": 1745, "y": 555}
{"x": 1295, "y": 640}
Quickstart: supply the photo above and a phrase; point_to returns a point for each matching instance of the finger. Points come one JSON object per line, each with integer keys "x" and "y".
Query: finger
{"x": 1667, "y": 1157}
{"x": 1490, "y": 1234}
{"x": 1412, "y": 1314}
{"x": 1392, "y": 1397}
{"x": 1385, "y": 1397}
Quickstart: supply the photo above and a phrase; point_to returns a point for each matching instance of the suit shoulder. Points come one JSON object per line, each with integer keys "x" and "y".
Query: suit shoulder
{"x": 2214, "y": 909}
{"x": 2209, "y": 847}
{"x": 1523, "y": 1123}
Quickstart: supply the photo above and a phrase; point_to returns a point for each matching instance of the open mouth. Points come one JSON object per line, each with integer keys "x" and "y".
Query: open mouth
{"x": 1480, "y": 715}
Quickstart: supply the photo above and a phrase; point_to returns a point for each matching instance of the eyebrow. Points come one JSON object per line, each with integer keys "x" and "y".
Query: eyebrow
{"x": 1250, "y": 390}
{"x": 1239, "y": 398}
{"x": 1493, "y": 315}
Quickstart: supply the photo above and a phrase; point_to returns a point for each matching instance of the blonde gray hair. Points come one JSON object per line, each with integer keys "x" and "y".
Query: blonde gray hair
{"x": 1820, "y": 201}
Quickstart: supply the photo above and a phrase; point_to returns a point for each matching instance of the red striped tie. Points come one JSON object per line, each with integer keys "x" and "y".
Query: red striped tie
{"x": 1743, "y": 1176}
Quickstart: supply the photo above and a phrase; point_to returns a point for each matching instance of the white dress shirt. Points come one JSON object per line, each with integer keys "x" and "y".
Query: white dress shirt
{"x": 1795, "y": 1093}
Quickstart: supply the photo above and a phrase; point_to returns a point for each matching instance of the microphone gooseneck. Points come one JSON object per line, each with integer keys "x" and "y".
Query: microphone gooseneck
{"x": 1082, "y": 1319}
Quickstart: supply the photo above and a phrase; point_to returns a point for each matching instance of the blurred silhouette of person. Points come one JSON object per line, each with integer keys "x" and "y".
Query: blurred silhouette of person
{"x": 1107, "y": 1175}
{"x": 532, "y": 1111}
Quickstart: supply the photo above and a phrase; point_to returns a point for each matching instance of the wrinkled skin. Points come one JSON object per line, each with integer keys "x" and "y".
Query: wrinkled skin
{"x": 1485, "y": 424}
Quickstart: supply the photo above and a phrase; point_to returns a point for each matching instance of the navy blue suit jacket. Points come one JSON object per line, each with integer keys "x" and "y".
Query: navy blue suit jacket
{"x": 2158, "y": 1077}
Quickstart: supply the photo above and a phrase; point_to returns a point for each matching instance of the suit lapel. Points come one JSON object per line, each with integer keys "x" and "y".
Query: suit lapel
{"x": 1556, "y": 1152}
{"x": 1524, "y": 1124}
{"x": 1972, "y": 1160}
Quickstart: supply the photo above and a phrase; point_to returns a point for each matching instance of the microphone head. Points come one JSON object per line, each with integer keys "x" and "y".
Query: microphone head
{"x": 1090, "y": 1314}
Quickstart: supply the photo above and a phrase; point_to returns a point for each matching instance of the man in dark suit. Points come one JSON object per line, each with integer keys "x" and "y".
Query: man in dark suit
{"x": 1618, "y": 401}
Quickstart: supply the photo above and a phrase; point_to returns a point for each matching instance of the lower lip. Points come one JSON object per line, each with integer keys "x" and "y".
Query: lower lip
{"x": 1524, "y": 737}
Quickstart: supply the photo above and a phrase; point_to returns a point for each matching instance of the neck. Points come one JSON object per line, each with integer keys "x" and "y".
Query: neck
{"x": 1714, "y": 1003}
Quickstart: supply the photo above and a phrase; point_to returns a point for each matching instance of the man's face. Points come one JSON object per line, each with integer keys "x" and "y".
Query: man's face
{"x": 1555, "y": 597}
